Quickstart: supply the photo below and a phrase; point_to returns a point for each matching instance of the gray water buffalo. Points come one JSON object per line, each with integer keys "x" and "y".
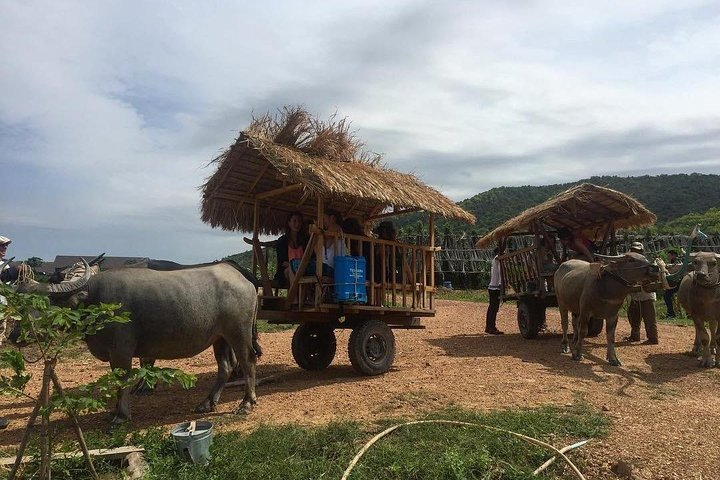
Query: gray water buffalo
{"x": 174, "y": 314}
{"x": 598, "y": 290}
{"x": 699, "y": 295}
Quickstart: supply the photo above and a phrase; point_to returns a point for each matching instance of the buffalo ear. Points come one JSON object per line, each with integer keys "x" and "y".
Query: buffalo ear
{"x": 596, "y": 268}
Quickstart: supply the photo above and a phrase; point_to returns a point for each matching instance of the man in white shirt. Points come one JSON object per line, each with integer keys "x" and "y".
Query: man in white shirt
{"x": 494, "y": 293}
{"x": 642, "y": 307}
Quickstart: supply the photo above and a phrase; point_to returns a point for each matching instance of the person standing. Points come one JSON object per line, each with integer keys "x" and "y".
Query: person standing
{"x": 642, "y": 308}
{"x": 494, "y": 293}
{"x": 672, "y": 264}
{"x": 6, "y": 275}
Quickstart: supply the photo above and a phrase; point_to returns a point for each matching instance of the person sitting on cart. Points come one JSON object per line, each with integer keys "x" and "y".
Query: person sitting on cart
{"x": 332, "y": 219}
{"x": 290, "y": 248}
{"x": 578, "y": 243}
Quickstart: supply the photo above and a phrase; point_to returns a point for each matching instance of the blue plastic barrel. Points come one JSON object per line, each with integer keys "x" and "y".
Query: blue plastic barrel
{"x": 350, "y": 279}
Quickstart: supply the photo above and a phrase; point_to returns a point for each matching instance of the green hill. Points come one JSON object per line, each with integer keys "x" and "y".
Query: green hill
{"x": 668, "y": 196}
{"x": 680, "y": 201}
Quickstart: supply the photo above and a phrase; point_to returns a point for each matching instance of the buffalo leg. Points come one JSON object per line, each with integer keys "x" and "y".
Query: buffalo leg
{"x": 610, "y": 333}
{"x": 246, "y": 359}
{"x": 564, "y": 347}
{"x": 224, "y": 358}
{"x": 122, "y": 408}
{"x": 714, "y": 341}
{"x": 580, "y": 323}
{"x": 706, "y": 361}
{"x": 142, "y": 387}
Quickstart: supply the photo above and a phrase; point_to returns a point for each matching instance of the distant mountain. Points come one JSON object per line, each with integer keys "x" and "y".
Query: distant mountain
{"x": 679, "y": 201}
{"x": 668, "y": 196}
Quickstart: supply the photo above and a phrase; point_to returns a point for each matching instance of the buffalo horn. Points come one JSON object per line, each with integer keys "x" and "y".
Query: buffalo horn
{"x": 609, "y": 257}
{"x": 69, "y": 288}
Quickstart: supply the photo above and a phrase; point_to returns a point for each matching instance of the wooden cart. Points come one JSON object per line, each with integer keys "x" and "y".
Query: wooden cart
{"x": 529, "y": 256}
{"x": 259, "y": 181}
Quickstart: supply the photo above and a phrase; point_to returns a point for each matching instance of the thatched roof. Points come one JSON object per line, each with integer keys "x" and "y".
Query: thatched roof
{"x": 309, "y": 160}
{"x": 585, "y": 208}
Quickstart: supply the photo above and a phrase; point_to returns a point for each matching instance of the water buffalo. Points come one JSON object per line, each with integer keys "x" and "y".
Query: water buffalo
{"x": 598, "y": 290}
{"x": 699, "y": 295}
{"x": 174, "y": 314}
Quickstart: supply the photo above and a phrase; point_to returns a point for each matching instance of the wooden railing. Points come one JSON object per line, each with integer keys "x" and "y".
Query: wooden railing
{"x": 398, "y": 275}
{"x": 519, "y": 271}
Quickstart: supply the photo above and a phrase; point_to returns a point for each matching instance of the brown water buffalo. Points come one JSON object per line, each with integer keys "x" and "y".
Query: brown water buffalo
{"x": 699, "y": 295}
{"x": 598, "y": 290}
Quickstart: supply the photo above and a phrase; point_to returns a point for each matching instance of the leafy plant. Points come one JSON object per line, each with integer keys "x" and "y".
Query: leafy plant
{"x": 49, "y": 331}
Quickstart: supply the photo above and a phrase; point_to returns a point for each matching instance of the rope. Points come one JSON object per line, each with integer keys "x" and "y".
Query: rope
{"x": 25, "y": 273}
{"x": 532, "y": 440}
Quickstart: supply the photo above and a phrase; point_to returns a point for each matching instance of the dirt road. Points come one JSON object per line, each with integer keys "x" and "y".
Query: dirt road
{"x": 665, "y": 410}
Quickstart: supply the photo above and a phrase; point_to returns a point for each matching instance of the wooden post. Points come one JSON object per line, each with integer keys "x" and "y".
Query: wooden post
{"x": 394, "y": 274}
{"x": 319, "y": 251}
{"x": 372, "y": 273}
{"x": 405, "y": 275}
{"x": 414, "y": 278}
{"x": 383, "y": 272}
{"x": 432, "y": 260}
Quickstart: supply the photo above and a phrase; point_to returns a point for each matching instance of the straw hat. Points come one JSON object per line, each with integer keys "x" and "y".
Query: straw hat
{"x": 5, "y": 240}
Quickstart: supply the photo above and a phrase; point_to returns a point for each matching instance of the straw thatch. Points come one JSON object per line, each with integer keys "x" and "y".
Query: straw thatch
{"x": 324, "y": 160}
{"x": 586, "y": 208}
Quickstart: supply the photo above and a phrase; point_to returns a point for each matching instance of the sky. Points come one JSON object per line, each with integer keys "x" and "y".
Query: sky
{"x": 111, "y": 111}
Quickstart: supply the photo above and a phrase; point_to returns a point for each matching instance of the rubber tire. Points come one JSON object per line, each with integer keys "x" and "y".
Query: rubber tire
{"x": 595, "y": 327}
{"x": 314, "y": 346}
{"x": 371, "y": 347}
{"x": 530, "y": 317}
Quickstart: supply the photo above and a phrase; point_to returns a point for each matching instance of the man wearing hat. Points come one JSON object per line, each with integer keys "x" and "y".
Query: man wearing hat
{"x": 642, "y": 307}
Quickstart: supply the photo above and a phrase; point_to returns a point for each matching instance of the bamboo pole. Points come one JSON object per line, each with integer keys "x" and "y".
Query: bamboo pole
{"x": 432, "y": 260}
{"x": 319, "y": 250}
{"x": 405, "y": 275}
{"x": 372, "y": 273}
{"x": 383, "y": 272}
{"x": 394, "y": 275}
{"x": 414, "y": 278}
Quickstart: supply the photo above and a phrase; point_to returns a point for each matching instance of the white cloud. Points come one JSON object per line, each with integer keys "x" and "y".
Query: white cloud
{"x": 110, "y": 110}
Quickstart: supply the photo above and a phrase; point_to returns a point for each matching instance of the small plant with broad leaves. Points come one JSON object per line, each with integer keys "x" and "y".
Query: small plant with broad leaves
{"x": 47, "y": 331}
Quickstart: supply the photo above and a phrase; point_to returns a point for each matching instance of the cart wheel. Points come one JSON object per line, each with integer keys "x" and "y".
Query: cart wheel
{"x": 313, "y": 346}
{"x": 372, "y": 347}
{"x": 530, "y": 317}
{"x": 595, "y": 327}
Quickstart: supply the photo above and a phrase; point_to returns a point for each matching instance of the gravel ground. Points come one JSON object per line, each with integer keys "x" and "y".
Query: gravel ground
{"x": 665, "y": 410}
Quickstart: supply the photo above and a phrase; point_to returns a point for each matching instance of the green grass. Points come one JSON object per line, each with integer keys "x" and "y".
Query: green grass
{"x": 463, "y": 295}
{"x": 416, "y": 452}
{"x": 264, "y": 326}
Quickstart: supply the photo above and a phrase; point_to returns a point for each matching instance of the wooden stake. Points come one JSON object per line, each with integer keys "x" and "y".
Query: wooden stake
{"x": 76, "y": 427}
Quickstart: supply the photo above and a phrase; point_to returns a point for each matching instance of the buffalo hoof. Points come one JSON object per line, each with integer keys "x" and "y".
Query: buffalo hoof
{"x": 118, "y": 419}
{"x": 564, "y": 348}
{"x": 577, "y": 356}
{"x": 205, "y": 407}
{"x": 615, "y": 362}
{"x": 707, "y": 363}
